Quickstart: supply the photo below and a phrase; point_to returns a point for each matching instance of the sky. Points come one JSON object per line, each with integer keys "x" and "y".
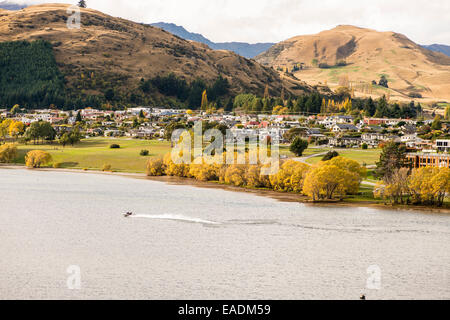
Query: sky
{"x": 423, "y": 21}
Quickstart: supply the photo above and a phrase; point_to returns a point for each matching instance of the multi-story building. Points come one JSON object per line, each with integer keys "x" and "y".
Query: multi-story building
{"x": 436, "y": 160}
{"x": 443, "y": 145}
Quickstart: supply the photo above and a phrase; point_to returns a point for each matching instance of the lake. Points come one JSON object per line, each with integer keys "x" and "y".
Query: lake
{"x": 187, "y": 242}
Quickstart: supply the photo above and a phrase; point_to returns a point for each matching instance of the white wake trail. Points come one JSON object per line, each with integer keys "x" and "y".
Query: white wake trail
{"x": 174, "y": 217}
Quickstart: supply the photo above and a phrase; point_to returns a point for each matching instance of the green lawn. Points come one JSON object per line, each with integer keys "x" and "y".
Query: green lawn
{"x": 368, "y": 157}
{"x": 94, "y": 153}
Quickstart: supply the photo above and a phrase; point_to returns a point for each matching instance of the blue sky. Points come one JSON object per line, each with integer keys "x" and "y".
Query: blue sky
{"x": 423, "y": 21}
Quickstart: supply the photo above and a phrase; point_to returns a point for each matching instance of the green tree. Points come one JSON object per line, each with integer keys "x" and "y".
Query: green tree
{"x": 437, "y": 124}
{"x": 82, "y": 4}
{"x": 78, "y": 118}
{"x": 298, "y": 146}
{"x": 383, "y": 82}
{"x": 393, "y": 156}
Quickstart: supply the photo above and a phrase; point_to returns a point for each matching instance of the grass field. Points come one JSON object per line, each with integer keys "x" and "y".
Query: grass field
{"x": 368, "y": 157}
{"x": 94, "y": 153}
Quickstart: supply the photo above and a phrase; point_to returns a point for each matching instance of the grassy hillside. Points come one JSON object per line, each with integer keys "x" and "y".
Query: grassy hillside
{"x": 106, "y": 58}
{"x": 352, "y": 56}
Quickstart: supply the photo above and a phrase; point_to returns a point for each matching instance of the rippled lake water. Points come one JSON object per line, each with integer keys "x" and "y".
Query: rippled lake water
{"x": 196, "y": 243}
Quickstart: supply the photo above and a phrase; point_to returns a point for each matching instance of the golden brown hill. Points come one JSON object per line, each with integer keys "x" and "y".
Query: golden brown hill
{"x": 368, "y": 55}
{"x": 128, "y": 51}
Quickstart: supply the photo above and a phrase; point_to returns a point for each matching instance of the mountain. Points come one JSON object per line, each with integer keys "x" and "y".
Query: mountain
{"x": 244, "y": 49}
{"x": 110, "y": 56}
{"x": 11, "y": 6}
{"x": 348, "y": 55}
{"x": 438, "y": 48}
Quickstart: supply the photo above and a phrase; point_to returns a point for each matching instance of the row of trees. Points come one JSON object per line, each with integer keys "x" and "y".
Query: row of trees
{"x": 326, "y": 181}
{"x": 400, "y": 184}
{"x": 191, "y": 93}
{"x": 427, "y": 186}
{"x": 9, "y": 127}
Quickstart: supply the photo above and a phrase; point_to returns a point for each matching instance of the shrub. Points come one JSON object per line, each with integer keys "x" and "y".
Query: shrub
{"x": 330, "y": 155}
{"x": 155, "y": 167}
{"x": 365, "y": 146}
{"x": 106, "y": 167}
{"x": 37, "y": 158}
{"x": 8, "y": 153}
{"x": 57, "y": 165}
{"x": 114, "y": 146}
{"x": 235, "y": 175}
{"x": 144, "y": 153}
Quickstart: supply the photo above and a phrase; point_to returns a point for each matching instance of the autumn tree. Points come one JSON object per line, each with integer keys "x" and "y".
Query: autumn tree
{"x": 155, "y": 167}
{"x": 15, "y": 109}
{"x": 8, "y": 153}
{"x": 204, "y": 104}
{"x": 290, "y": 177}
{"x": 447, "y": 113}
{"x": 37, "y": 158}
{"x": 335, "y": 178}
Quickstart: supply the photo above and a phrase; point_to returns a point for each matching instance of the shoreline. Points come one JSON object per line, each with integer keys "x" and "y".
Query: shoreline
{"x": 279, "y": 196}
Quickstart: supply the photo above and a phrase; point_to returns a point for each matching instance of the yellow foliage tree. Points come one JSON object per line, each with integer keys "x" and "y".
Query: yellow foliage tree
{"x": 172, "y": 169}
{"x": 254, "y": 178}
{"x": 204, "y": 105}
{"x": 37, "y": 158}
{"x": 290, "y": 177}
{"x": 8, "y": 153}
{"x": 235, "y": 175}
{"x": 330, "y": 179}
{"x": 155, "y": 167}
{"x": 16, "y": 128}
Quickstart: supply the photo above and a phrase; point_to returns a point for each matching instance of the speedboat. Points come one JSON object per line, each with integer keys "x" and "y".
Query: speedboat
{"x": 128, "y": 214}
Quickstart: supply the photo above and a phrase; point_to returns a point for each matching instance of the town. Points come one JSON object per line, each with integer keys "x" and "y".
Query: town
{"x": 427, "y": 141}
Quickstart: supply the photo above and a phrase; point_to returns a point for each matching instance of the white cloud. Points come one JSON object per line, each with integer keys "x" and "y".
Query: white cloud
{"x": 423, "y": 21}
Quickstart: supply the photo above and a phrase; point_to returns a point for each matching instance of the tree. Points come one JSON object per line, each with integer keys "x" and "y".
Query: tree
{"x": 290, "y": 177}
{"x": 298, "y": 146}
{"x": 8, "y": 153}
{"x": 393, "y": 156}
{"x": 15, "y": 109}
{"x": 326, "y": 181}
{"x": 155, "y": 167}
{"x": 394, "y": 187}
{"x": 383, "y": 82}
{"x": 16, "y": 128}
{"x": 78, "y": 118}
{"x": 37, "y": 158}
{"x": 437, "y": 124}
{"x": 447, "y": 113}
{"x": 82, "y": 4}
{"x": 204, "y": 104}
{"x": 266, "y": 92}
